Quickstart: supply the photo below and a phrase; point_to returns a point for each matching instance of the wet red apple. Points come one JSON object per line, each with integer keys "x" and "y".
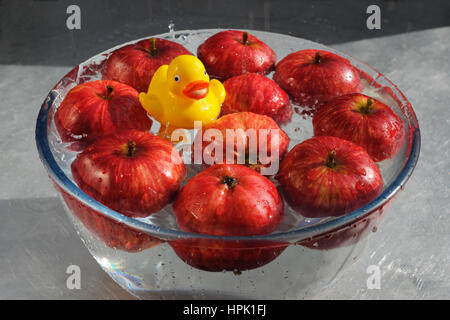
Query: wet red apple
{"x": 232, "y": 53}
{"x": 226, "y": 255}
{"x": 136, "y": 63}
{"x": 258, "y": 94}
{"x": 112, "y": 233}
{"x": 228, "y": 200}
{"x": 312, "y": 76}
{"x": 132, "y": 172}
{"x": 327, "y": 176}
{"x": 364, "y": 121}
{"x": 349, "y": 234}
{"x": 244, "y": 138}
{"x": 96, "y": 108}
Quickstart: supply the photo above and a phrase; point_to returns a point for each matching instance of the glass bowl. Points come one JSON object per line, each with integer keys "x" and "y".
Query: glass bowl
{"x": 152, "y": 258}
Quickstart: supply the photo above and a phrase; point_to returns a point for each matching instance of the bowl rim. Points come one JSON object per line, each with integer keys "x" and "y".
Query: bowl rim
{"x": 62, "y": 181}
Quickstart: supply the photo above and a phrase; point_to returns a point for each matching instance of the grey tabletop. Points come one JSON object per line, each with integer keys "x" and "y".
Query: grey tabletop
{"x": 38, "y": 243}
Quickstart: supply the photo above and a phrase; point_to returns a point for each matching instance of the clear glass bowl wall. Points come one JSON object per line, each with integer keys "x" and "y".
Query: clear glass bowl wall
{"x": 148, "y": 256}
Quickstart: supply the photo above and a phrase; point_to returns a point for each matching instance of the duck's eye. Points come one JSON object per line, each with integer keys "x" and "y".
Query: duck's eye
{"x": 204, "y": 72}
{"x": 177, "y": 78}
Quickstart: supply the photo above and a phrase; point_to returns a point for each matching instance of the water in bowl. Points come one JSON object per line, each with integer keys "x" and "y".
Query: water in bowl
{"x": 159, "y": 273}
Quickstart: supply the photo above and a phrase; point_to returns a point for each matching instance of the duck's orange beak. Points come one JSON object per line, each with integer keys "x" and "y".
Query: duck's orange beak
{"x": 196, "y": 89}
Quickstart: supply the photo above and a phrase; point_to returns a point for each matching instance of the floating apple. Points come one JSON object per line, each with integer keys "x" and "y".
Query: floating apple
{"x": 114, "y": 234}
{"x": 136, "y": 63}
{"x": 132, "y": 172}
{"x": 312, "y": 77}
{"x": 364, "y": 121}
{"x": 327, "y": 176}
{"x": 227, "y": 200}
{"x": 245, "y": 138}
{"x": 232, "y": 53}
{"x": 93, "y": 109}
{"x": 346, "y": 235}
{"x": 258, "y": 94}
{"x": 227, "y": 255}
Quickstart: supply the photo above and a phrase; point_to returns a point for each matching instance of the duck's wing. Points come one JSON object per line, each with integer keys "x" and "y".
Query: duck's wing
{"x": 218, "y": 89}
{"x": 159, "y": 78}
{"x": 151, "y": 104}
{"x": 150, "y": 100}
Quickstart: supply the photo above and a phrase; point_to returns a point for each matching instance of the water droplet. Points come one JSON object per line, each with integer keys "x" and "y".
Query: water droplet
{"x": 361, "y": 171}
{"x": 360, "y": 185}
{"x": 171, "y": 29}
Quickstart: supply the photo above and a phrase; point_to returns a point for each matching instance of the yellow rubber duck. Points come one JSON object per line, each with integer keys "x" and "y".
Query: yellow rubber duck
{"x": 181, "y": 93}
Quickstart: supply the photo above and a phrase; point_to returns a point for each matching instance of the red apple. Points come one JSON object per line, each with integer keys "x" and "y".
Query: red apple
{"x": 97, "y": 108}
{"x": 312, "y": 77}
{"x": 364, "y": 121}
{"x": 114, "y": 234}
{"x": 225, "y": 255}
{"x": 227, "y": 200}
{"x": 132, "y": 172}
{"x": 136, "y": 63}
{"x": 249, "y": 138}
{"x": 349, "y": 234}
{"x": 232, "y": 53}
{"x": 259, "y": 94}
{"x": 327, "y": 176}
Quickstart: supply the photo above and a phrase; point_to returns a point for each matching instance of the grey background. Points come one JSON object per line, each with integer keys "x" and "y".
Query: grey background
{"x": 37, "y": 241}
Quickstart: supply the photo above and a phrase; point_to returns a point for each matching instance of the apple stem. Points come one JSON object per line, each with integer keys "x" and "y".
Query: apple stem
{"x": 366, "y": 109}
{"x": 153, "y": 46}
{"x": 331, "y": 159}
{"x": 317, "y": 57}
{"x": 245, "y": 38}
{"x": 130, "y": 148}
{"x": 230, "y": 182}
{"x": 109, "y": 91}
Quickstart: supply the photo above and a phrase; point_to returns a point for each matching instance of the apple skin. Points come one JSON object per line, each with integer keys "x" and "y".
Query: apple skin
{"x": 96, "y": 108}
{"x": 327, "y": 176}
{"x": 364, "y": 121}
{"x": 225, "y": 255}
{"x": 312, "y": 76}
{"x": 135, "y": 64}
{"x": 248, "y": 204}
{"x": 112, "y": 233}
{"x": 132, "y": 172}
{"x": 225, "y": 55}
{"x": 245, "y": 121}
{"x": 258, "y": 94}
{"x": 227, "y": 200}
{"x": 349, "y": 234}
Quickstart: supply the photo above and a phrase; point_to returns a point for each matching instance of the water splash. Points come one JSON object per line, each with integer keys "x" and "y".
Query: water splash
{"x": 171, "y": 29}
